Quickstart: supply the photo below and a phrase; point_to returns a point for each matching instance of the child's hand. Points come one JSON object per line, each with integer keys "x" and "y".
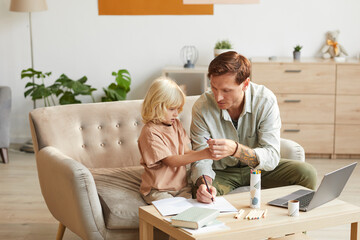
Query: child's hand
{"x": 210, "y": 155}
{"x": 221, "y": 148}
{"x": 209, "y": 151}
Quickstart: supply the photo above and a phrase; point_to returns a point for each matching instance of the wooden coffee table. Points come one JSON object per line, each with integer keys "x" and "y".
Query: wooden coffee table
{"x": 277, "y": 223}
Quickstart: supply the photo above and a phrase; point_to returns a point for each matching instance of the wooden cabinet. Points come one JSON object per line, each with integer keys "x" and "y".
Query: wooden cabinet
{"x": 306, "y": 108}
{"x": 295, "y": 77}
{"x": 319, "y": 102}
{"x": 347, "y": 128}
{"x": 348, "y": 79}
{"x": 315, "y": 138}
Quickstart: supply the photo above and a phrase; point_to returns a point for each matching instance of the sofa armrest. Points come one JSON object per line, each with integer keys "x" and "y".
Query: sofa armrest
{"x": 70, "y": 193}
{"x": 5, "y": 109}
{"x": 291, "y": 150}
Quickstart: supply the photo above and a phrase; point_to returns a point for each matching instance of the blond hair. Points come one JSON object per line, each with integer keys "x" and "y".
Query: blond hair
{"x": 162, "y": 95}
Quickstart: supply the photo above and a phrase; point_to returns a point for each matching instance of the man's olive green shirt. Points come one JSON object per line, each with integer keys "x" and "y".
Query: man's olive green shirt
{"x": 258, "y": 128}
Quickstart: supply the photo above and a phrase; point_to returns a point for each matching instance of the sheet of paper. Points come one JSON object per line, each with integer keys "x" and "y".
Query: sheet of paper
{"x": 172, "y": 206}
{"x": 220, "y": 204}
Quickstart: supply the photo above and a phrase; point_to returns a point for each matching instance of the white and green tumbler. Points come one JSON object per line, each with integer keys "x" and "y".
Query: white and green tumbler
{"x": 255, "y": 188}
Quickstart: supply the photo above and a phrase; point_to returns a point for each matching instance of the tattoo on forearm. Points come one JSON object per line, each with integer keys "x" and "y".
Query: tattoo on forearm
{"x": 248, "y": 156}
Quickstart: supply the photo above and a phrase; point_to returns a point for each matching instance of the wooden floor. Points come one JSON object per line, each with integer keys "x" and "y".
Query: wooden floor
{"x": 24, "y": 215}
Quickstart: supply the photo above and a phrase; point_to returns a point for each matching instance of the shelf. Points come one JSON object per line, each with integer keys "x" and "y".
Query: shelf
{"x": 203, "y": 70}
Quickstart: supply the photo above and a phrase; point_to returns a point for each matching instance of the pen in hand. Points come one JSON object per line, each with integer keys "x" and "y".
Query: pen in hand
{"x": 207, "y": 186}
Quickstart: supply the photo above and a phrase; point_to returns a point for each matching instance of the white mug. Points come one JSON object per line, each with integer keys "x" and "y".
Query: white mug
{"x": 293, "y": 208}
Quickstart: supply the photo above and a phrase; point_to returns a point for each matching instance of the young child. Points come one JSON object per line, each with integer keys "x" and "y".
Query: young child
{"x": 164, "y": 144}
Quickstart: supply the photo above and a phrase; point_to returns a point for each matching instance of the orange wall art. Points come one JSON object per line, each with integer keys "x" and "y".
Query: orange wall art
{"x": 152, "y": 7}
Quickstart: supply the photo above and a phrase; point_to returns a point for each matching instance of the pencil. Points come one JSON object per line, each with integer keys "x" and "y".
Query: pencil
{"x": 207, "y": 186}
{"x": 238, "y": 215}
{"x": 247, "y": 216}
{"x": 265, "y": 212}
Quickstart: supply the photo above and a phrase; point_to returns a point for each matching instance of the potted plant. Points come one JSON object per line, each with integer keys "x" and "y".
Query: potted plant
{"x": 37, "y": 91}
{"x": 222, "y": 46}
{"x": 65, "y": 88}
{"x": 296, "y": 52}
{"x": 69, "y": 89}
{"x": 117, "y": 91}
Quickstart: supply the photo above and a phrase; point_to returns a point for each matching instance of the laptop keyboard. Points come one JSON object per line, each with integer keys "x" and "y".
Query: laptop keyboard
{"x": 305, "y": 200}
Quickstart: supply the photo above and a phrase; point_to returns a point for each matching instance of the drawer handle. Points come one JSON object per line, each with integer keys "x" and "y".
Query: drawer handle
{"x": 292, "y": 100}
{"x": 292, "y": 130}
{"x": 292, "y": 71}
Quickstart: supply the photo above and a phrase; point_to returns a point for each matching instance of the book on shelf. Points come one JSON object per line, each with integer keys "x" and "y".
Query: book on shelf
{"x": 195, "y": 217}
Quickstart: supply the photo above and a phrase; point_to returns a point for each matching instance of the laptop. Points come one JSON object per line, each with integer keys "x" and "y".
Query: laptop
{"x": 330, "y": 188}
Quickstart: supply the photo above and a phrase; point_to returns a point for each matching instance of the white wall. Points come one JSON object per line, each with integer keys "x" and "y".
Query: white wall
{"x": 72, "y": 38}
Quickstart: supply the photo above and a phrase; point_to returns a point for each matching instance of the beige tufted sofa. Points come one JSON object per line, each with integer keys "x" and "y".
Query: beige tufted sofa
{"x": 88, "y": 165}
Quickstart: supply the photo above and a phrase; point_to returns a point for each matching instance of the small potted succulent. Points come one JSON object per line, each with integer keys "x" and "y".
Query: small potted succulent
{"x": 222, "y": 46}
{"x": 296, "y": 52}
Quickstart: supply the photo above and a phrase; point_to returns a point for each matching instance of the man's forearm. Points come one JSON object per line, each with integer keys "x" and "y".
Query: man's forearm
{"x": 246, "y": 155}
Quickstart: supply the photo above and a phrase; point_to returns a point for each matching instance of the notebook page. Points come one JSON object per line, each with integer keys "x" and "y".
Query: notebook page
{"x": 172, "y": 206}
{"x": 220, "y": 204}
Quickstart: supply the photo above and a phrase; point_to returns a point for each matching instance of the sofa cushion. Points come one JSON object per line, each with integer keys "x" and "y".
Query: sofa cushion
{"x": 118, "y": 190}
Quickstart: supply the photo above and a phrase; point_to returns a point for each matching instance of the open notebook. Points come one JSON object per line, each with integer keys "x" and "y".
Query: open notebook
{"x": 172, "y": 206}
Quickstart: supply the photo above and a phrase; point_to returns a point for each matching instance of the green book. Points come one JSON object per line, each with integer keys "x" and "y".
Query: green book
{"x": 194, "y": 217}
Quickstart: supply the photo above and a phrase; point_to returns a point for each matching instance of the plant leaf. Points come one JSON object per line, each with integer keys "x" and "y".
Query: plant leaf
{"x": 28, "y": 92}
{"x": 40, "y": 92}
{"x": 29, "y": 84}
{"x": 83, "y": 79}
{"x": 123, "y": 71}
{"x": 118, "y": 90}
{"x": 68, "y": 98}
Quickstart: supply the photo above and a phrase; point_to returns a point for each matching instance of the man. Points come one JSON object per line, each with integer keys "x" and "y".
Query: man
{"x": 242, "y": 122}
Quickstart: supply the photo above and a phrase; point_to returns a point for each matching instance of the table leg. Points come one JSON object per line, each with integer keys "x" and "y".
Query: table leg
{"x": 355, "y": 231}
{"x": 146, "y": 230}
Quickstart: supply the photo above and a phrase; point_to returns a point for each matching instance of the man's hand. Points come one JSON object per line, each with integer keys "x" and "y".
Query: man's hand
{"x": 221, "y": 148}
{"x": 202, "y": 194}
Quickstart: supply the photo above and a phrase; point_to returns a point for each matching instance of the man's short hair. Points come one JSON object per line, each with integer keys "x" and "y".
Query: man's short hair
{"x": 230, "y": 62}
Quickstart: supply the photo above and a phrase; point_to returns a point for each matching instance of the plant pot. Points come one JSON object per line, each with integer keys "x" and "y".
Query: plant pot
{"x": 297, "y": 55}
{"x": 217, "y": 52}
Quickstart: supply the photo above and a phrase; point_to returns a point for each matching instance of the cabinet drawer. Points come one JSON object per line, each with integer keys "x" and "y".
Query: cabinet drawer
{"x": 295, "y": 77}
{"x": 348, "y": 79}
{"x": 314, "y": 138}
{"x": 347, "y": 139}
{"x": 306, "y": 108}
{"x": 348, "y": 109}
